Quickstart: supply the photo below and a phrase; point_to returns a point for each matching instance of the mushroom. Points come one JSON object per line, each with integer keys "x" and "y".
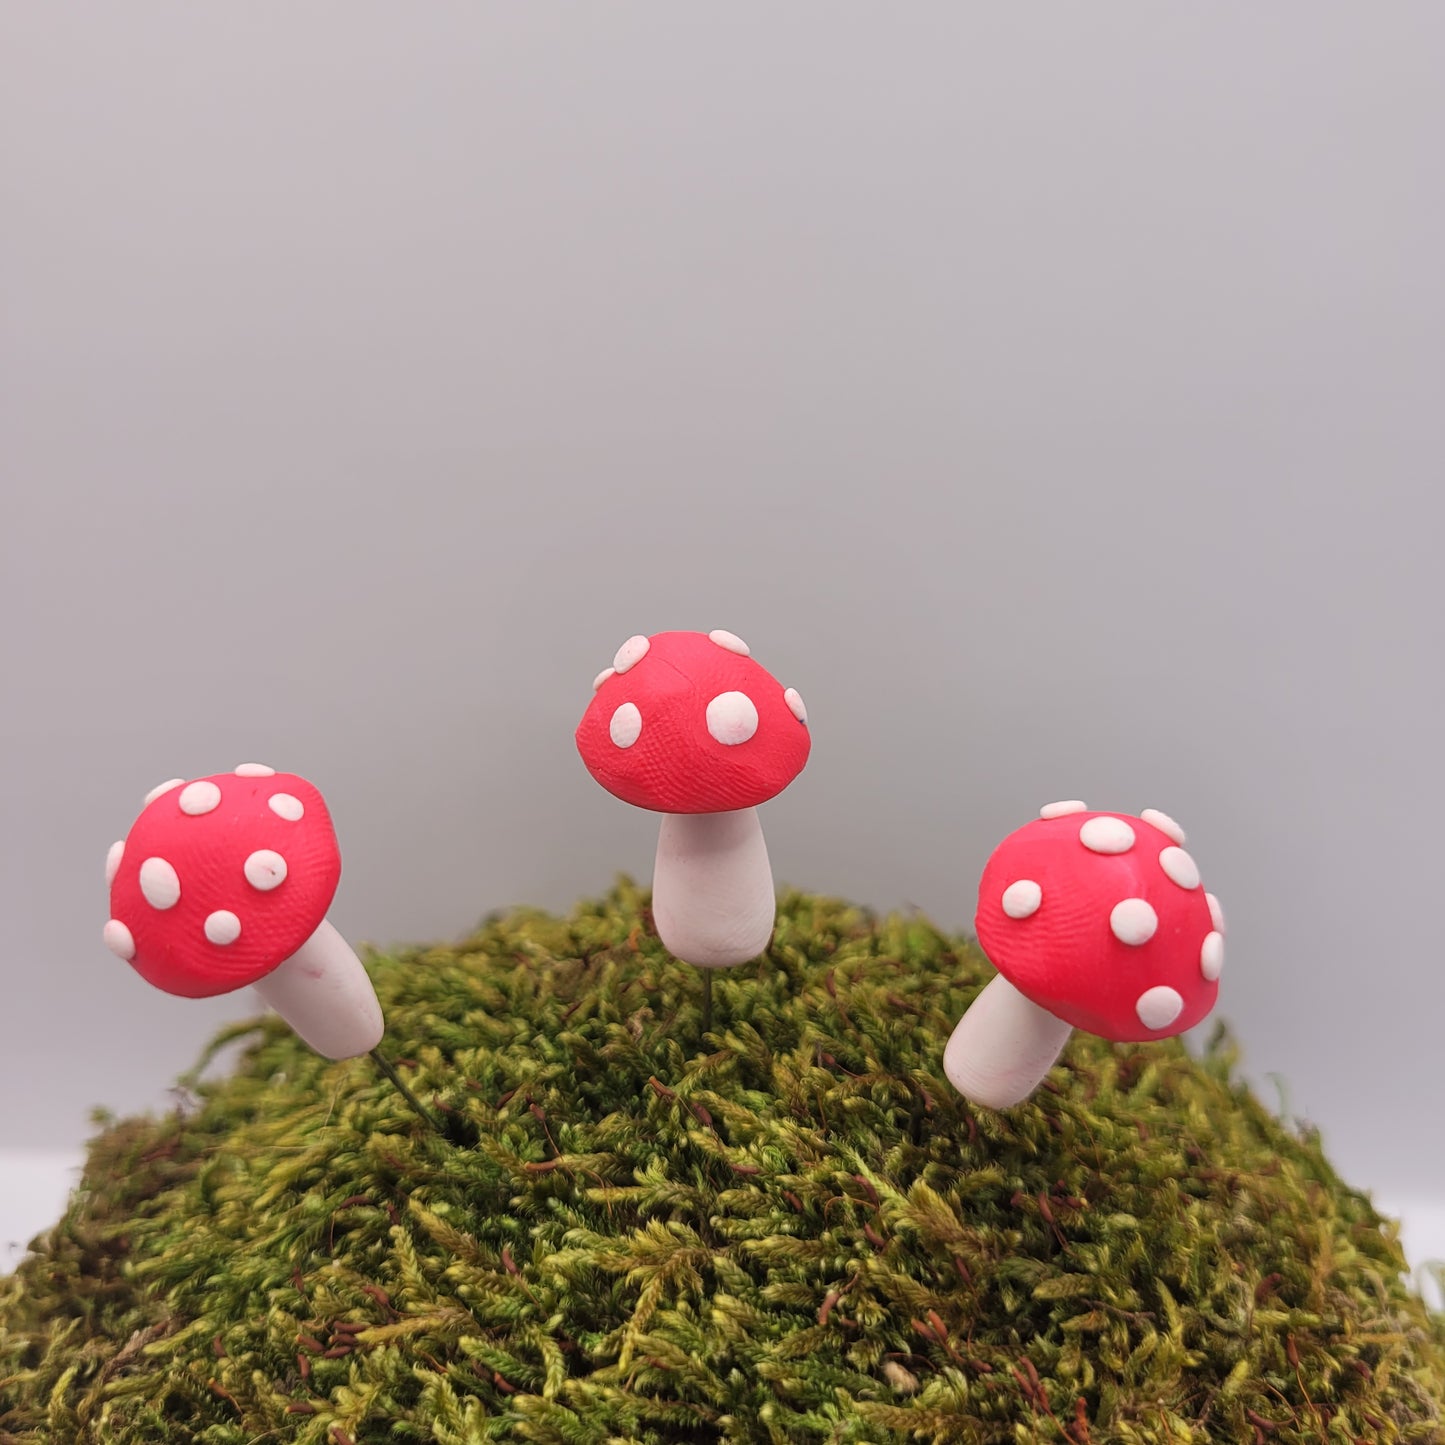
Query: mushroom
{"x": 688, "y": 725}
{"x": 1095, "y": 921}
{"x": 224, "y": 882}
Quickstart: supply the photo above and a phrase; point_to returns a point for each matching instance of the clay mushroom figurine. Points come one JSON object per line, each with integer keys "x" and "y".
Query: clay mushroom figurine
{"x": 224, "y": 882}
{"x": 1094, "y": 921}
{"x": 688, "y": 725}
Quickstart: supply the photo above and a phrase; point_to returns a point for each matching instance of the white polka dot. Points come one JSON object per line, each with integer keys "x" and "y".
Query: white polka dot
{"x": 222, "y": 926}
{"x": 160, "y": 883}
{"x": 1062, "y": 810}
{"x": 731, "y": 641}
{"x": 285, "y": 806}
{"x": 253, "y": 770}
{"x": 112, "y": 862}
{"x": 1022, "y": 899}
{"x": 602, "y": 677}
{"x": 1165, "y": 824}
{"x": 631, "y": 653}
{"x": 1159, "y": 1007}
{"x": 1107, "y": 835}
{"x": 118, "y": 939}
{"x": 1211, "y": 957}
{"x": 198, "y": 798}
{"x": 626, "y": 725}
{"x": 160, "y": 788}
{"x": 265, "y": 870}
{"x": 1181, "y": 868}
{"x": 732, "y": 718}
{"x": 794, "y": 700}
{"x": 1216, "y": 912}
{"x": 1133, "y": 922}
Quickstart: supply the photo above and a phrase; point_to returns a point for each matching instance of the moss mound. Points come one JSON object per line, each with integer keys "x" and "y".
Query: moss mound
{"x": 791, "y": 1230}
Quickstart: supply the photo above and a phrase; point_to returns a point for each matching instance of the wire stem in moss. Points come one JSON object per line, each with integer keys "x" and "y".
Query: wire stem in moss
{"x": 389, "y": 1069}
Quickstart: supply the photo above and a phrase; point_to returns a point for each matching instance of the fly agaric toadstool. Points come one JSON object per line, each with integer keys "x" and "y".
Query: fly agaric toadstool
{"x": 1094, "y": 921}
{"x": 224, "y": 882}
{"x": 688, "y": 725}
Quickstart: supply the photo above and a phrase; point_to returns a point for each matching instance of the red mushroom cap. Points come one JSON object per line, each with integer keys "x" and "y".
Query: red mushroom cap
{"x": 221, "y": 880}
{"x": 687, "y": 722}
{"x": 1100, "y": 919}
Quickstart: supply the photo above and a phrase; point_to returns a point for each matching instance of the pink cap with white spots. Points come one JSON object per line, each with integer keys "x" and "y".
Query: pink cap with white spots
{"x": 689, "y": 722}
{"x": 221, "y": 879}
{"x": 1100, "y": 919}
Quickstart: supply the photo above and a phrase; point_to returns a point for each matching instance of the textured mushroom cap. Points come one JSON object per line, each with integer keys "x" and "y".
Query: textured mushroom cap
{"x": 685, "y": 722}
{"x": 1100, "y": 918}
{"x": 222, "y": 880}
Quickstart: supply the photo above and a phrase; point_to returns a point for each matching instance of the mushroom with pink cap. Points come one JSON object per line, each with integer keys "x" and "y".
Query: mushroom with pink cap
{"x": 1096, "y": 921}
{"x": 689, "y": 725}
{"x": 224, "y": 882}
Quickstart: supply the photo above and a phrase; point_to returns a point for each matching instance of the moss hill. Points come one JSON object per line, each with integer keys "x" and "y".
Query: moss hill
{"x": 789, "y": 1230}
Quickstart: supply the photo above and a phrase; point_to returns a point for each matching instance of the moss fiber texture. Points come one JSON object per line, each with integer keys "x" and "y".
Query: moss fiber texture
{"x": 789, "y": 1229}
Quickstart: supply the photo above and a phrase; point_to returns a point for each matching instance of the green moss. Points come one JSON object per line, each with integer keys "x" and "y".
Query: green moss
{"x": 792, "y": 1230}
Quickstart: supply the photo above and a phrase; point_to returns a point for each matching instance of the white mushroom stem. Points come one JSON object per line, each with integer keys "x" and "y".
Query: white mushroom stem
{"x": 1002, "y": 1047}
{"x": 713, "y": 899}
{"x": 324, "y": 993}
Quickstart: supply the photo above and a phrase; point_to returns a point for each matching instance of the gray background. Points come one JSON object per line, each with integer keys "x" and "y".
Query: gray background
{"x": 1052, "y": 395}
